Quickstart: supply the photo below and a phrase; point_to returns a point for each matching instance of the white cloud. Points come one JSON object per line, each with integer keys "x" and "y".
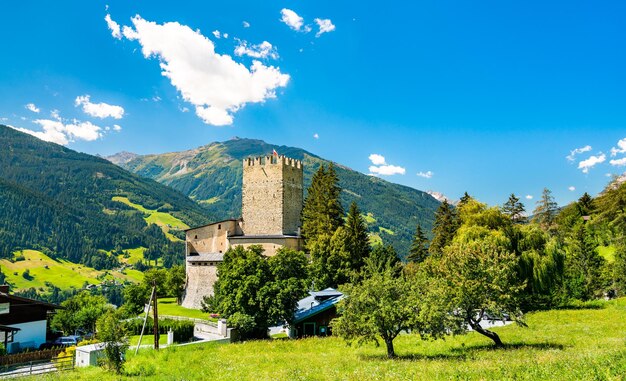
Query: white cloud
{"x": 225, "y": 35}
{"x": 214, "y": 83}
{"x": 529, "y": 197}
{"x": 316, "y": 136}
{"x": 32, "y": 107}
{"x": 83, "y": 131}
{"x": 117, "y": 127}
{"x": 576, "y": 151}
{"x": 262, "y": 50}
{"x": 217, "y": 34}
{"x": 55, "y": 114}
{"x": 294, "y": 21}
{"x": 246, "y": 24}
{"x": 113, "y": 26}
{"x": 621, "y": 147}
{"x": 63, "y": 132}
{"x": 387, "y": 170}
{"x": 377, "y": 159}
{"x": 99, "y": 110}
{"x": 426, "y": 175}
{"x": 572, "y": 188}
{"x": 380, "y": 166}
{"x": 589, "y": 163}
{"x": 618, "y": 162}
{"x": 325, "y": 26}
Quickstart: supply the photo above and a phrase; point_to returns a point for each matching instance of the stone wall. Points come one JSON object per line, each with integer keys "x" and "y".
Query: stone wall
{"x": 200, "y": 281}
{"x": 270, "y": 244}
{"x": 211, "y": 238}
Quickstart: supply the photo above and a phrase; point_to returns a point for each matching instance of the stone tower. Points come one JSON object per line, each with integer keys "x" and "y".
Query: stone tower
{"x": 272, "y": 195}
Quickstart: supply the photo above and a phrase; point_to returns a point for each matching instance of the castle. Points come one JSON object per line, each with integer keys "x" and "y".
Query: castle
{"x": 272, "y": 196}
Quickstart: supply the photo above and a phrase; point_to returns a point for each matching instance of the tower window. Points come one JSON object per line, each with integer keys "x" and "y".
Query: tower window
{"x": 196, "y": 237}
{"x": 219, "y": 226}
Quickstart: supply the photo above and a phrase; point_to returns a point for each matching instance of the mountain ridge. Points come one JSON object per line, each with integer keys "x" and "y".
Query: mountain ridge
{"x": 211, "y": 175}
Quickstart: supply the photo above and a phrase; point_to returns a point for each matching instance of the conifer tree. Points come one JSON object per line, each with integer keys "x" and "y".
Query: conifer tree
{"x": 546, "y": 211}
{"x": 419, "y": 247}
{"x": 514, "y": 209}
{"x": 322, "y": 213}
{"x": 465, "y": 198}
{"x": 446, "y": 224}
{"x": 356, "y": 237}
{"x": 585, "y": 204}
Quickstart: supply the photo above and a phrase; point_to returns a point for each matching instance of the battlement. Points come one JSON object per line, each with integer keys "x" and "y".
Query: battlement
{"x": 272, "y": 160}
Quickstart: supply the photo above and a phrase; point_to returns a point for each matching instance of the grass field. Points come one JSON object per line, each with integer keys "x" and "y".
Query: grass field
{"x": 579, "y": 344}
{"x": 168, "y": 306}
{"x": 164, "y": 220}
{"x": 61, "y": 273}
{"x": 135, "y": 255}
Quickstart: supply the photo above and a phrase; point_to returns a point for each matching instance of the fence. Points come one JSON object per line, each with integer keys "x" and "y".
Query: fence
{"x": 34, "y": 367}
{"x": 195, "y": 320}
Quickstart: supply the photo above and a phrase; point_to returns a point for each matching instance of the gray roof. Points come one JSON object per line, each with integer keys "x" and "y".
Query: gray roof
{"x": 206, "y": 257}
{"x": 316, "y": 302}
{"x": 269, "y": 236}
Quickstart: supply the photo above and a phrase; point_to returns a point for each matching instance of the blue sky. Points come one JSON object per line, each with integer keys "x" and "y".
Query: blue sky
{"x": 487, "y": 97}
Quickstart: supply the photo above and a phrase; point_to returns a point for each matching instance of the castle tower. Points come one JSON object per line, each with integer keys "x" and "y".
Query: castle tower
{"x": 272, "y": 195}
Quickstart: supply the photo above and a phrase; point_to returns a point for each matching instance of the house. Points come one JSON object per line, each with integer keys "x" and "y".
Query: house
{"x": 23, "y": 321}
{"x": 314, "y": 313}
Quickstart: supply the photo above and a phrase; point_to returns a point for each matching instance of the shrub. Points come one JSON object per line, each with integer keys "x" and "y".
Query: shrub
{"x": 183, "y": 329}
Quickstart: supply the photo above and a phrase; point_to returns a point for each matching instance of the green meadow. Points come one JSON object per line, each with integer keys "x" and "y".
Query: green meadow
{"x": 164, "y": 220}
{"x": 168, "y": 306}
{"x": 574, "y": 344}
{"x": 61, "y": 273}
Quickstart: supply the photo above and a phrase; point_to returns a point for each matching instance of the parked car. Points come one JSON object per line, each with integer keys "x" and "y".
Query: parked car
{"x": 66, "y": 341}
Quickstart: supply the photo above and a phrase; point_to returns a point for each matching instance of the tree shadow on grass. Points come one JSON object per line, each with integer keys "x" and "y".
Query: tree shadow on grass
{"x": 463, "y": 352}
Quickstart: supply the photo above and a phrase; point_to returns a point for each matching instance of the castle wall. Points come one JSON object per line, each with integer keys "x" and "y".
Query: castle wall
{"x": 200, "y": 280}
{"x": 211, "y": 238}
{"x": 270, "y": 244}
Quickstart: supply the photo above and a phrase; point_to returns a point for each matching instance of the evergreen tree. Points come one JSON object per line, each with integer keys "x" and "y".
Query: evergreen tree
{"x": 583, "y": 265}
{"x": 322, "y": 213}
{"x": 356, "y": 238}
{"x": 419, "y": 247}
{"x": 546, "y": 211}
{"x": 585, "y": 204}
{"x": 514, "y": 209}
{"x": 465, "y": 198}
{"x": 445, "y": 226}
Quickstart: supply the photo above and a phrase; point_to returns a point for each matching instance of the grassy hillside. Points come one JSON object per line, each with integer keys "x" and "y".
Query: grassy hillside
{"x": 61, "y": 202}
{"x": 581, "y": 344}
{"x": 60, "y": 273}
{"x": 211, "y": 175}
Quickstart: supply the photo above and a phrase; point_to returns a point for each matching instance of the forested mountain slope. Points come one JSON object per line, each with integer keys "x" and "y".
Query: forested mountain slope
{"x": 212, "y": 174}
{"x": 60, "y": 201}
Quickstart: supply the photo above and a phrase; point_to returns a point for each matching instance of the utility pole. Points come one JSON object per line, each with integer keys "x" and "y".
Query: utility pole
{"x": 155, "y": 316}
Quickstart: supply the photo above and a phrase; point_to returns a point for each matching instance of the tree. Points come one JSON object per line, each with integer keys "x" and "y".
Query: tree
{"x": 113, "y": 333}
{"x": 419, "y": 247}
{"x": 465, "y": 198}
{"x": 480, "y": 274}
{"x": 445, "y": 226}
{"x": 585, "y": 204}
{"x": 175, "y": 283}
{"x": 322, "y": 212}
{"x": 515, "y": 209}
{"x": 254, "y": 292}
{"x": 386, "y": 303}
{"x": 546, "y": 211}
{"x": 583, "y": 264}
{"x": 356, "y": 238}
{"x": 80, "y": 312}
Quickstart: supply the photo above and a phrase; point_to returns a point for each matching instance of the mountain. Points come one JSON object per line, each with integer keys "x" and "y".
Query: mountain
{"x": 82, "y": 208}
{"x": 121, "y": 158}
{"x": 211, "y": 175}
